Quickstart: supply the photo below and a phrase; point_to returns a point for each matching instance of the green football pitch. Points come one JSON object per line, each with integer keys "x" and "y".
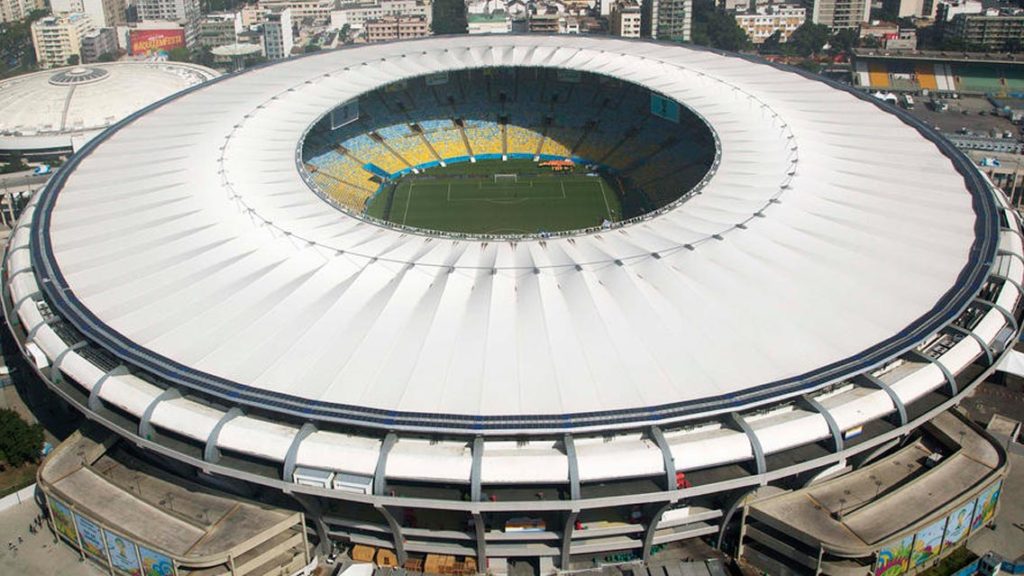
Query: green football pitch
{"x": 468, "y": 198}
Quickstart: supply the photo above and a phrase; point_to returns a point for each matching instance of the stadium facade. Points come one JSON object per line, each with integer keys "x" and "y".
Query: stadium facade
{"x": 816, "y": 304}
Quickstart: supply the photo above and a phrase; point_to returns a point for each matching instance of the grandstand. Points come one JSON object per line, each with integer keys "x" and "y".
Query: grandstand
{"x": 938, "y": 73}
{"x": 532, "y": 113}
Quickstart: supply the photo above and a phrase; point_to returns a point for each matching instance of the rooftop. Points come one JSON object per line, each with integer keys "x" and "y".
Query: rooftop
{"x": 862, "y": 509}
{"x": 189, "y": 521}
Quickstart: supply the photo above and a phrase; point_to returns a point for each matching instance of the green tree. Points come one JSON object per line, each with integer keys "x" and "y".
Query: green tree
{"x": 108, "y": 57}
{"x": 20, "y": 441}
{"x": 449, "y": 17}
{"x": 179, "y": 54}
{"x": 310, "y": 48}
{"x": 843, "y": 41}
{"x": 74, "y": 59}
{"x": 772, "y": 44}
{"x": 717, "y": 29}
{"x": 808, "y": 39}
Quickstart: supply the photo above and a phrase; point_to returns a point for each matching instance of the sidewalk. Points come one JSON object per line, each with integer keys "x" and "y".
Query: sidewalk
{"x": 37, "y": 554}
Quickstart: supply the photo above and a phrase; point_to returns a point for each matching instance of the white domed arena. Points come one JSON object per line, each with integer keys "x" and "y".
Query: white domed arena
{"x": 382, "y": 280}
{"x": 54, "y": 112}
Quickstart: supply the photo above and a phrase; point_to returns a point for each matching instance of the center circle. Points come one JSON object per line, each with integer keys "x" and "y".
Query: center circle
{"x": 508, "y": 151}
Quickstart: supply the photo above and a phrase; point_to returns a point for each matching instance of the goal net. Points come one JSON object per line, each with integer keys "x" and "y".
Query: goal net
{"x": 506, "y": 178}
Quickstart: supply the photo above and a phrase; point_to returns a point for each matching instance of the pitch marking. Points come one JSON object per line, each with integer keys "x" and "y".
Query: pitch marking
{"x": 408, "y": 200}
{"x": 606, "y": 206}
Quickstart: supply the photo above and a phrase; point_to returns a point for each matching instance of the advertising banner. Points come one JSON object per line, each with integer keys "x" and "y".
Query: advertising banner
{"x": 894, "y": 559}
{"x": 144, "y": 42}
{"x": 959, "y": 525}
{"x": 123, "y": 554}
{"x": 64, "y": 521}
{"x": 155, "y": 563}
{"x": 92, "y": 538}
{"x": 928, "y": 542}
{"x": 985, "y": 508}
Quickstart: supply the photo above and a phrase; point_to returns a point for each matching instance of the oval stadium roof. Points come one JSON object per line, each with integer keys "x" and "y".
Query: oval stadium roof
{"x": 833, "y": 236}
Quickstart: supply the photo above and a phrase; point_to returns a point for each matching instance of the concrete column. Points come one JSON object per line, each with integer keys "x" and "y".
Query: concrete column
{"x": 396, "y": 533}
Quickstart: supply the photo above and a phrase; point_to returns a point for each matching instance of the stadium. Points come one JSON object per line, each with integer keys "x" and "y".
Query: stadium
{"x": 556, "y": 300}
{"x": 50, "y": 114}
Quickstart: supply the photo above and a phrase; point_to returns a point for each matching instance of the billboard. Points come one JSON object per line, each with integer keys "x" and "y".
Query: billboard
{"x": 155, "y": 563}
{"x": 437, "y": 79}
{"x": 63, "y": 521}
{"x": 664, "y": 108}
{"x": 92, "y": 538}
{"x": 570, "y": 76}
{"x": 123, "y": 555}
{"x": 959, "y": 525}
{"x": 145, "y": 42}
{"x": 985, "y": 509}
{"x": 928, "y": 542}
{"x": 894, "y": 559}
{"x": 345, "y": 114}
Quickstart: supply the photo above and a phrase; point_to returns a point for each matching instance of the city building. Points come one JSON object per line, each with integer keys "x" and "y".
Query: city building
{"x": 278, "y": 36}
{"x": 945, "y": 11}
{"x": 103, "y": 13}
{"x": 252, "y": 15}
{"x": 522, "y": 397}
{"x": 669, "y": 20}
{"x": 784, "y": 18}
{"x": 13, "y": 10}
{"x": 493, "y": 23}
{"x": 841, "y": 14}
{"x": 98, "y": 43}
{"x": 219, "y": 29}
{"x": 357, "y": 14}
{"x": 912, "y": 8}
{"x": 59, "y": 38}
{"x": 991, "y": 31}
{"x": 625, "y": 19}
{"x": 546, "y": 23}
{"x": 389, "y": 28}
{"x": 318, "y": 11}
{"x": 187, "y": 13}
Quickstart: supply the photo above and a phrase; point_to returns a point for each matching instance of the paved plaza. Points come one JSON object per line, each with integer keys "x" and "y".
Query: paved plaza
{"x": 37, "y": 554}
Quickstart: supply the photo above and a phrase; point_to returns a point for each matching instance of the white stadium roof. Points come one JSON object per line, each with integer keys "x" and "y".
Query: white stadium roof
{"x": 46, "y": 109}
{"x": 832, "y": 237}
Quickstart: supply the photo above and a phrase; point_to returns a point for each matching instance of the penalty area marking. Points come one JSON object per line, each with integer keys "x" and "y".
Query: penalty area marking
{"x": 408, "y": 200}
{"x": 606, "y": 206}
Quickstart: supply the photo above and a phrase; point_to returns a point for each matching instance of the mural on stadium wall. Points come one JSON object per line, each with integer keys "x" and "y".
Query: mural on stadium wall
{"x": 959, "y": 525}
{"x": 894, "y": 559}
{"x": 92, "y": 538}
{"x": 123, "y": 555}
{"x": 985, "y": 508}
{"x": 155, "y": 563}
{"x": 63, "y": 521}
{"x": 928, "y": 542}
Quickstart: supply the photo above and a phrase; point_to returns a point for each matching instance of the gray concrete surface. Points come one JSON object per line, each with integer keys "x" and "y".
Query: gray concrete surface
{"x": 38, "y": 554}
{"x": 1007, "y": 538}
{"x": 964, "y": 113}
